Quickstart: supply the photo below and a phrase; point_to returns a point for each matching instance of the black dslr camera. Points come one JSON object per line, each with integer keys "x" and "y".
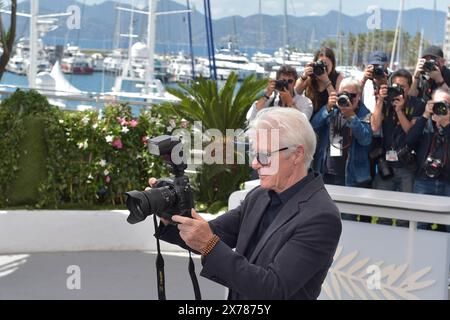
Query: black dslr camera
{"x": 378, "y": 156}
{"x": 395, "y": 91}
{"x": 281, "y": 85}
{"x": 319, "y": 68}
{"x": 378, "y": 72}
{"x": 433, "y": 167}
{"x": 169, "y": 196}
{"x": 429, "y": 66}
{"x": 441, "y": 108}
{"x": 344, "y": 100}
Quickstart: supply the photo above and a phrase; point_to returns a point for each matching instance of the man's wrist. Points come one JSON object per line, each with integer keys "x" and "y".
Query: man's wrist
{"x": 209, "y": 245}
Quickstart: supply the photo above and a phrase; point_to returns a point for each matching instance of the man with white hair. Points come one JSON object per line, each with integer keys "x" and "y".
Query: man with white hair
{"x": 284, "y": 233}
{"x": 345, "y": 137}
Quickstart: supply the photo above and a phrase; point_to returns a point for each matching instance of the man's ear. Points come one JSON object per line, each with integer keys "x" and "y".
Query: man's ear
{"x": 299, "y": 154}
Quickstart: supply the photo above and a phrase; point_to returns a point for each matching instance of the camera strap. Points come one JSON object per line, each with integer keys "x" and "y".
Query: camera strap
{"x": 160, "y": 277}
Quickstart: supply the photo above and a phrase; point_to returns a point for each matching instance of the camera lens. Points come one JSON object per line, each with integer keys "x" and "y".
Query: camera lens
{"x": 440, "y": 109}
{"x": 343, "y": 101}
{"x": 141, "y": 204}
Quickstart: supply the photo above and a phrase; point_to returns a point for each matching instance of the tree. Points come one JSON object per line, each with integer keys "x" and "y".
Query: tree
{"x": 219, "y": 109}
{"x": 7, "y": 38}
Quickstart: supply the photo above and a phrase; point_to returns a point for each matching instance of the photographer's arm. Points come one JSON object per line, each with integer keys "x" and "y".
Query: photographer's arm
{"x": 377, "y": 116}
{"x": 361, "y": 130}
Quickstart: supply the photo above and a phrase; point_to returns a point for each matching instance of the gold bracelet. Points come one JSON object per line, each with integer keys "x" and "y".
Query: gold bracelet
{"x": 210, "y": 245}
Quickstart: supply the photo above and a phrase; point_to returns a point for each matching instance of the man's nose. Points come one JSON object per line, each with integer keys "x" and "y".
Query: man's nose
{"x": 255, "y": 164}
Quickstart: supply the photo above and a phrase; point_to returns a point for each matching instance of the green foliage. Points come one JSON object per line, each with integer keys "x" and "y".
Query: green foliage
{"x": 217, "y": 108}
{"x": 92, "y": 158}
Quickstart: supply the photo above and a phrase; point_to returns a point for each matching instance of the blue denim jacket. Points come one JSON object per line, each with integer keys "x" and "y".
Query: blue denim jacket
{"x": 357, "y": 168}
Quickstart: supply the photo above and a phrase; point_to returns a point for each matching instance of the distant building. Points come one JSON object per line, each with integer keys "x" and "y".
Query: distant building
{"x": 447, "y": 37}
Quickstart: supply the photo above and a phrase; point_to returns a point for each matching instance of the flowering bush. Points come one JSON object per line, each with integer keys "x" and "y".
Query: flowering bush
{"x": 93, "y": 157}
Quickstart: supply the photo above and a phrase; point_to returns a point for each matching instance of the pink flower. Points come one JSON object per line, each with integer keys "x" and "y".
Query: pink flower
{"x": 107, "y": 179}
{"x": 133, "y": 123}
{"x": 122, "y": 121}
{"x": 117, "y": 143}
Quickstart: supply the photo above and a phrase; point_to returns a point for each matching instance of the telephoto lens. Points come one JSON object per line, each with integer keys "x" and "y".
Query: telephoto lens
{"x": 429, "y": 66}
{"x": 378, "y": 72}
{"x": 319, "y": 68}
{"x": 281, "y": 85}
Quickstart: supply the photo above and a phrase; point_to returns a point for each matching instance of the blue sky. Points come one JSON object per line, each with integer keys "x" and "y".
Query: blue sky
{"x": 222, "y": 8}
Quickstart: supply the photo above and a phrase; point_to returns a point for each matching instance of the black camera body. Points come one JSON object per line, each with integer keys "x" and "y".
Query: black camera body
{"x": 378, "y": 72}
{"x": 319, "y": 68}
{"x": 441, "y": 108}
{"x": 377, "y": 155}
{"x": 169, "y": 196}
{"x": 429, "y": 66}
{"x": 281, "y": 85}
{"x": 408, "y": 158}
{"x": 395, "y": 91}
{"x": 433, "y": 167}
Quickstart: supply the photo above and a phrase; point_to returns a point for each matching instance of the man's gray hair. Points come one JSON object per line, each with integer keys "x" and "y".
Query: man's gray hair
{"x": 441, "y": 91}
{"x": 351, "y": 82}
{"x": 294, "y": 129}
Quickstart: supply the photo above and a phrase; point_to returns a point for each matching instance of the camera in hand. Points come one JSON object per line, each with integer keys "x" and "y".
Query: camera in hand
{"x": 395, "y": 91}
{"x": 408, "y": 157}
{"x": 429, "y": 66}
{"x": 281, "y": 85}
{"x": 441, "y": 108}
{"x": 378, "y": 156}
{"x": 319, "y": 68}
{"x": 169, "y": 196}
{"x": 344, "y": 100}
{"x": 433, "y": 167}
{"x": 378, "y": 72}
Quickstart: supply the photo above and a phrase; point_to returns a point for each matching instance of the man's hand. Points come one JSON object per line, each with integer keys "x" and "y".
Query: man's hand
{"x": 436, "y": 75}
{"x": 347, "y": 112}
{"x": 194, "y": 231}
{"x": 368, "y": 73}
{"x": 332, "y": 101}
{"x": 398, "y": 103}
{"x": 383, "y": 92}
{"x": 286, "y": 97}
{"x": 270, "y": 87}
{"x": 428, "y": 109}
{"x": 419, "y": 68}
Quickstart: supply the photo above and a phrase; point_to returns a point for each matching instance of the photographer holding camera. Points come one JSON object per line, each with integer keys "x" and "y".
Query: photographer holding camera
{"x": 430, "y": 138}
{"x": 345, "y": 137}
{"x": 375, "y": 75}
{"x": 285, "y": 232}
{"x": 394, "y": 115}
{"x": 280, "y": 93}
{"x": 431, "y": 74}
{"x": 320, "y": 78}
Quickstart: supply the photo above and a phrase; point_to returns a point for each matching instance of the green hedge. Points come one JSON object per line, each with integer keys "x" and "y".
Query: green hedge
{"x": 51, "y": 158}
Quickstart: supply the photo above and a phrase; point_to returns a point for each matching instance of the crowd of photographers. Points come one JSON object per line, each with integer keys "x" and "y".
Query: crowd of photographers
{"x": 389, "y": 131}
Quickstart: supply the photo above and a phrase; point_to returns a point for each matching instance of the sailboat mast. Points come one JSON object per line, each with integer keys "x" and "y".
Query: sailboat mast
{"x": 285, "y": 27}
{"x": 34, "y": 9}
{"x": 261, "y": 44}
{"x": 151, "y": 37}
{"x": 396, "y": 36}
{"x": 339, "y": 35}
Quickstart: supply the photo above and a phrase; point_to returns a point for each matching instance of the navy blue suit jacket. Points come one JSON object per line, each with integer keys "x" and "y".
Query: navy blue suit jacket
{"x": 292, "y": 258}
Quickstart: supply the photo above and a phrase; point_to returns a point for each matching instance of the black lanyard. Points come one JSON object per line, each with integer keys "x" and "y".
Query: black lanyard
{"x": 160, "y": 276}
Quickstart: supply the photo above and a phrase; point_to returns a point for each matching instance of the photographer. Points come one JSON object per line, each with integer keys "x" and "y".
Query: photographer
{"x": 345, "y": 137}
{"x": 375, "y": 75}
{"x": 320, "y": 78}
{"x": 430, "y": 138}
{"x": 394, "y": 115}
{"x": 431, "y": 74}
{"x": 280, "y": 252}
{"x": 280, "y": 93}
